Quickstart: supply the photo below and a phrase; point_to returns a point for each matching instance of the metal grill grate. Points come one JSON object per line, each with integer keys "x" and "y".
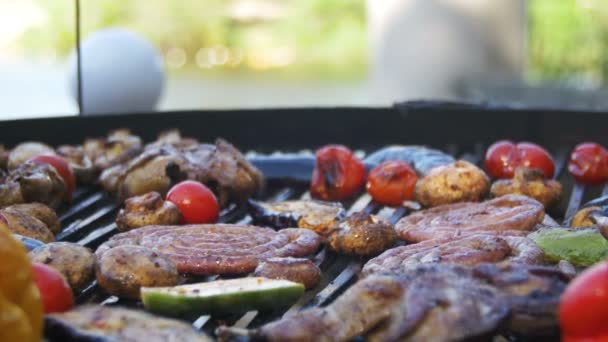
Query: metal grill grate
{"x": 90, "y": 221}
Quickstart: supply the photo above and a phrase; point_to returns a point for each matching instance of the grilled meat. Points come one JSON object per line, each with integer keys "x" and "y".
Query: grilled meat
{"x": 322, "y": 217}
{"x": 505, "y": 213}
{"x": 217, "y": 248}
{"x": 422, "y": 159}
{"x": 33, "y": 220}
{"x": 122, "y": 271}
{"x": 76, "y": 263}
{"x": 102, "y": 323}
{"x": 531, "y": 183}
{"x": 583, "y": 218}
{"x": 298, "y": 270}
{"x": 533, "y": 293}
{"x": 467, "y": 251}
{"x": 362, "y": 234}
{"x": 26, "y": 151}
{"x": 221, "y": 167}
{"x": 460, "y": 181}
{"x": 118, "y": 147}
{"x": 84, "y": 170}
{"x": 146, "y": 210}
{"x": 33, "y": 182}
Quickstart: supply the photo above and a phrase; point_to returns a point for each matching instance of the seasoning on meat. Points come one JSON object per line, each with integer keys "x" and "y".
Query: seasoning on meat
{"x": 217, "y": 248}
{"x": 506, "y": 213}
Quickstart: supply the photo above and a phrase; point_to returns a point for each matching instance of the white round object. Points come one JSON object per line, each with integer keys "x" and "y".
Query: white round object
{"x": 121, "y": 73}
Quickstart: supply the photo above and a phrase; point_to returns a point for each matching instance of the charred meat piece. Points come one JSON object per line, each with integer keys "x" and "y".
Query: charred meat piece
{"x": 360, "y": 308}
{"x": 33, "y": 220}
{"x": 362, "y": 234}
{"x": 533, "y": 293}
{"x": 460, "y": 181}
{"x": 221, "y": 167}
{"x": 81, "y": 164}
{"x": 531, "y": 183}
{"x": 76, "y": 263}
{"x": 444, "y": 303}
{"x": 298, "y": 270}
{"x": 467, "y": 251}
{"x": 118, "y": 147}
{"x": 422, "y": 159}
{"x": 26, "y": 151}
{"x": 33, "y": 182}
{"x": 102, "y": 323}
{"x": 217, "y": 248}
{"x": 322, "y": 217}
{"x": 124, "y": 270}
{"x": 505, "y": 213}
{"x": 146, "y": 210}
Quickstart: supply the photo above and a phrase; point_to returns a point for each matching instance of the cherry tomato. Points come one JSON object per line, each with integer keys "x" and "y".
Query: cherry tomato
{"x": 583, "y": 306}
{"x": 338, "y": 174}
{"x": 62, "y": 167}
{"x": 195, "y": 201}
{"x": 589, "y": 163}
{"x": 503, "y": 157}
{"x": 54, "y": 289}
{"x": 392, "y": 182}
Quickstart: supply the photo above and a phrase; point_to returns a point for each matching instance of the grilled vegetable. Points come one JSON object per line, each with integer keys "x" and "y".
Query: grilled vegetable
{"x": 315, "y": 215}
{"x": 146, "y": 210}
{"x": 96, "y": 323}
{"x": 196, "y": 203}
{"x": 75, "y": 262}
{"x": 504, "y": 157}
{"x": 392, "y": 183}
{"x": 298, "y": 270}
{"x": 25, "y": 151}
{"x": 63, "y": 169}
{"x": 221, "y": 296}
{"x": 54, "y": 289}
{"x": 581, "y": 247}
{"x": 338, "y": 174}
{"x": 589, "y": 163}
{"x": 531, "y": 183}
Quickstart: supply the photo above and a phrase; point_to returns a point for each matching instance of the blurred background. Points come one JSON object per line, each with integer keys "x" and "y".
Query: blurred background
{"x": 221, "y": 54}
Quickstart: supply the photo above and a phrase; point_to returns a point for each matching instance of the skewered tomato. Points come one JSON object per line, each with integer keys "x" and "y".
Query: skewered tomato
{"x": 503, "y": 157}
{"x": 392, "y": 182}
{"x": 584, "y": 306}
{"x": 589, "y": 163}
{"x": 54, "y": 289}
{"x": 338, "y": 174}
{"x": 62, "y": 167}
{"x": 196, "y": 203}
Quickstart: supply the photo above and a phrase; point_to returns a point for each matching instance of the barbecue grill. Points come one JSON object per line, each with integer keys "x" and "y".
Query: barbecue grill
{"x": 280, "y": 142}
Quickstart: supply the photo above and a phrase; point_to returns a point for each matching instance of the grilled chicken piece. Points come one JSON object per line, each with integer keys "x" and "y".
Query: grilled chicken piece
{"x": 533, "y": 293}
{"x": 360, "y": 308}
{"x": 221, "y": 167}
{"x": 84, "y": 170}
{"x": 103, "y": 323}
{"x": 26, "y": 151}
{"x": 322, "y": 217}
{"x": 122, "y": 271}
{"x": 33, "y": 220}
{"x": 460, "y": 181}
{"x": 146, "y": 210}
{"x": 33, "y": 182}
{"x": 298, "y": 270}
{"x": 75, "y": 262}
{"x": 531, "y": 183}
{"x": 362, "y": 234}
{"x": 119, "y": 147}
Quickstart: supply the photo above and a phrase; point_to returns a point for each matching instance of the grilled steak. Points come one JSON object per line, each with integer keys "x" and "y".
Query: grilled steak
{"x": 506, "y": 213}
{"x": 220, "y": 166}
{"x": 467, "y": 251}
{"x": 218, "y": 248}
{"x": 102, "y": 323}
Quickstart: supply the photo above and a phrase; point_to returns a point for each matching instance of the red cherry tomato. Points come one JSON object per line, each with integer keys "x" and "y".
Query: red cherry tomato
{"x": 62, "y": 167}
{"x": 589, "y": 163}
{"x": 583, "y": 308}
{"x": 338, "y": 174}
{"x": 503, "y": 157}
{"x": 392, "y": 182}
{"x": 54, "y": 289}
{"x": 195, "y": 201}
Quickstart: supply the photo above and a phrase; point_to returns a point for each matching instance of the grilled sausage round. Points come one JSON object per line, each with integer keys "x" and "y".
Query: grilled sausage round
{"x": 460, "y": 181}
{"x": 298, "y": 270}
{"x": 76, "y": 263}
{"x": 123, "y": 270}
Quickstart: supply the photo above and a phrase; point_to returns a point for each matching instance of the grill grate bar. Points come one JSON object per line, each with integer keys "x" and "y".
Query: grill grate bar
{"x": 81, "y": 206}
{"x": 576, "y": 197}
{"x": 79, "y": 227}
{"x": 98, "y": 235}
{"x": 560, "y": 162}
